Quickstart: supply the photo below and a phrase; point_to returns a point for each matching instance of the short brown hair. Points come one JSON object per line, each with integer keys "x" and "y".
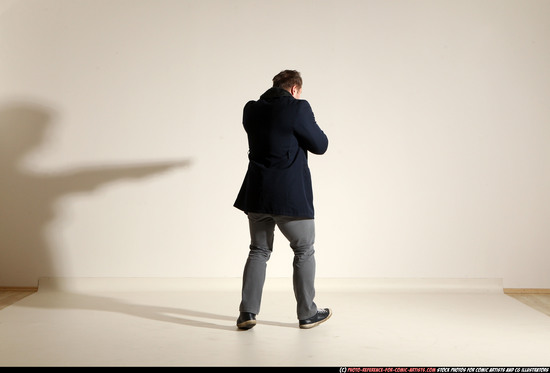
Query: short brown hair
{"x": 287, "y": 79}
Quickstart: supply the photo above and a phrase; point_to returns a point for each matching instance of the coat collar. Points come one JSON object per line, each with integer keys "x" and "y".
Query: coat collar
{"x": 274, "y": 92}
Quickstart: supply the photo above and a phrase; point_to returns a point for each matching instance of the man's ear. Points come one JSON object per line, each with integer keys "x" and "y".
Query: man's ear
{"x": 294, "y": 90}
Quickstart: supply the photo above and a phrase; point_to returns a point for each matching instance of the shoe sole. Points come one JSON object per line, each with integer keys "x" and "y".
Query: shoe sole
{"x": 309, "y": 326}
{"x": 248, "y": 324}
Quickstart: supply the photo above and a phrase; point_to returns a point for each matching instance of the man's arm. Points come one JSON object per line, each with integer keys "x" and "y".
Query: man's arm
{"x": 309, "y": 135}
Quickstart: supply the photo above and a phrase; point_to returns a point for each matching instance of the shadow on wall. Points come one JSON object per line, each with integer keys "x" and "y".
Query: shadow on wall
{"x": 27, "y": 199}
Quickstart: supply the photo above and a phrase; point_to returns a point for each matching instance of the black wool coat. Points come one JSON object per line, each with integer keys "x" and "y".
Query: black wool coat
{"x": 281, "y": 131}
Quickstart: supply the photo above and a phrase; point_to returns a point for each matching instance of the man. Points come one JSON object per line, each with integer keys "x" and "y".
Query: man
{"x": 277, "y": 191}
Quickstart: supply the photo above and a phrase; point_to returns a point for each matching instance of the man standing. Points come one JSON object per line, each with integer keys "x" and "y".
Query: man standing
{"x": 277, "y": 191}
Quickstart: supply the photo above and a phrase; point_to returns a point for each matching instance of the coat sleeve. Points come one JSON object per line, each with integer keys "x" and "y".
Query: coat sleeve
{"x": 310, "y": 136}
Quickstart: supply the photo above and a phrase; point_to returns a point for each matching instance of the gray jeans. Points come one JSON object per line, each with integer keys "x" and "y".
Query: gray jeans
{"x": 300, "y": 233}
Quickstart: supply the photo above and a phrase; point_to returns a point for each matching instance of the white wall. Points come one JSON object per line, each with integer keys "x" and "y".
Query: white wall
{"x": 123, "y": 150}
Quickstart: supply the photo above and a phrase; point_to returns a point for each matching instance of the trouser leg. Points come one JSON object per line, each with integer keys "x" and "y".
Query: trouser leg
{"x": 262, "y": 228}
{"x": 301, "y": 236}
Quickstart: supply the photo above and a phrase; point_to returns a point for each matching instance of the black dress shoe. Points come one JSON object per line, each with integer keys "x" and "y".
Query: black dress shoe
{"x": 322, "y": 315}
{"x": 246, "y": 320}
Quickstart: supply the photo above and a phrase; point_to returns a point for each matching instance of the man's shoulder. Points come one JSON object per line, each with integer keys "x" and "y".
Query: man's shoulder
{"x": 250, "y": 104}
{"x": 299, "y": 104}
{"x": 284, "y": 101}
{"x": 304, "y": 106}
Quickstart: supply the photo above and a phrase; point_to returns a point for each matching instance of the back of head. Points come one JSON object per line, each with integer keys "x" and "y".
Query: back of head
{"x": 287, "y": 79}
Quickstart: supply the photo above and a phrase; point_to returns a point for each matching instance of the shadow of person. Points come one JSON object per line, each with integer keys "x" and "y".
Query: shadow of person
{"x": 52, "y": 299}
{"x": 28, "y": 198}
{"x": 175, "y": 315}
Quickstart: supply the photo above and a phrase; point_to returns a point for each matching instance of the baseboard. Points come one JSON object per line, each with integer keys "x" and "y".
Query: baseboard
{"x": 506, "y": 290}
{"x": 19, "y": 288}
{"x": 526, "y": 291}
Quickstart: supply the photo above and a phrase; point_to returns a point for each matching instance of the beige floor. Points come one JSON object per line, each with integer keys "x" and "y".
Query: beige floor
{"x": 539, "y": 302}
{"x": 192, "y": 323}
